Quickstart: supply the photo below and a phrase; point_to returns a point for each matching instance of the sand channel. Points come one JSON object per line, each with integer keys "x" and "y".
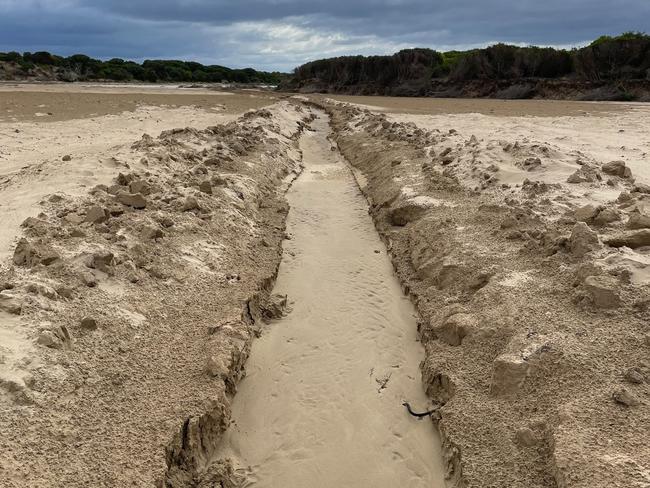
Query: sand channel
{"x": 322, "y": 401}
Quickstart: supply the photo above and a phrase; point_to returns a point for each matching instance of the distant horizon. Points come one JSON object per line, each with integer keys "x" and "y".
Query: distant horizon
{"x": 279, "y": 35}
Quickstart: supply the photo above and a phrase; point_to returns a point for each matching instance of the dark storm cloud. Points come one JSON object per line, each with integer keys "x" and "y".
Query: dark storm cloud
{"x": 280, "y": 34}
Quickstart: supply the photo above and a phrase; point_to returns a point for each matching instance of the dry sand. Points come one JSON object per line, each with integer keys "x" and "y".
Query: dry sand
{"x": 95, "y": 127}
{"x": 145, "y": 265}
{"x": 524, "y": 249}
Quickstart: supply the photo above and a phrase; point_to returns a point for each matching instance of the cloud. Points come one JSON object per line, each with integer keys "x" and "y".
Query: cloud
{"x": 290, "y": 43}
{"x": 280, "y": 34}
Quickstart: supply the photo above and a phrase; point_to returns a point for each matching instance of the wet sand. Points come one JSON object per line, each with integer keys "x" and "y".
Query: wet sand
{"x": 60, "y": 102}
{"x": 506, "y": 232}
{"x": 321, "y": 405}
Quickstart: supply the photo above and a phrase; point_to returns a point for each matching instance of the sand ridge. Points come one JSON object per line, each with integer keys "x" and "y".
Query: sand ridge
{"x": 130, "y": 309}
{"x": 535, "y": 332}
{"x": 138, "y": 271}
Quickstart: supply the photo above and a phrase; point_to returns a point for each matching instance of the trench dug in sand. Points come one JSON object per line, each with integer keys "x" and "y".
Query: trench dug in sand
{"x": 321, "y": 405}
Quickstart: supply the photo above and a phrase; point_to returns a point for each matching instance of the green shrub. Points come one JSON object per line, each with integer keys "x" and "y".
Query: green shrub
{"x": 626, "y": 56}
{"x": 11, "y": 57}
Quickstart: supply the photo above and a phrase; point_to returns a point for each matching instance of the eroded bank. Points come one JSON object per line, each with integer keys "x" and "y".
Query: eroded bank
{"x": 533, "y": 304}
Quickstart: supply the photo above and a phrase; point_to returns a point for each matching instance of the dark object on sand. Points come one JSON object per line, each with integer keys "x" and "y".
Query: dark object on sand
{"x": 416, "y": 414}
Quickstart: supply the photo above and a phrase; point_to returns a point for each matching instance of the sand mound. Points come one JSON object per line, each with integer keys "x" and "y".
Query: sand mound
{"x": 128, "y": 312}
{"x": 534, "y": 318}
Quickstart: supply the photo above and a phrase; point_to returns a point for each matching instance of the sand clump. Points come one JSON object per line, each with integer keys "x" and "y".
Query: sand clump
{"x": 128, "y": 312}
{"x": 45, "y": 102}
{"x": 532, "y": 292}
{"x": 33, "y": 166}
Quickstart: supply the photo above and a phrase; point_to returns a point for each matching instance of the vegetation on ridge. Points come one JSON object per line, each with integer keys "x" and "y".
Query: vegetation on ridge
{"x": 412, "y": 71}
{"x": 80, "y": 67}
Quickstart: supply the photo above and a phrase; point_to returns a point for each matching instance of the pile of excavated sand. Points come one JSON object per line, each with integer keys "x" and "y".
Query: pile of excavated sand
{"x": 73, "y": 156}
{"x": 526, "y": 256}
{"x": 127, "y": 311}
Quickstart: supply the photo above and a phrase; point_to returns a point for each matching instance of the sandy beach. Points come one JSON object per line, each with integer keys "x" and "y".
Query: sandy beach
{"x": 203, "y": 288}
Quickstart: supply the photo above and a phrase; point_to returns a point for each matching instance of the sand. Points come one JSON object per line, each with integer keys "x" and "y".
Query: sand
{"x": 43, "y": 102}
{"x": 513, "y": 236}
{"x": 599, "y": 135}
{"x": 485, "y": 106}
{"x": 32, "y": 148}
{"x": 561, "y": 141}
{"x": 138, "y": 275}
{"x": 120, "y": 324}
{"x": 322, "y": 401}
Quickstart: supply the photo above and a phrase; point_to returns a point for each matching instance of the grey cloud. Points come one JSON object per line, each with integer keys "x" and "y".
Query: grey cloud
{"x": 279, "y": 34}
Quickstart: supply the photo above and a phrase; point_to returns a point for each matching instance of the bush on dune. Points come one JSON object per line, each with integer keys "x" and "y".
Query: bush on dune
{"x": 608, "y": 58}
{"x": 82, "y": 67}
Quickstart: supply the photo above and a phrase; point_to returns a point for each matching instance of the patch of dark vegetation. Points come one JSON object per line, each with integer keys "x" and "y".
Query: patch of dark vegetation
{"x": 610, "y": 68}
{"x": 79, "y": 67}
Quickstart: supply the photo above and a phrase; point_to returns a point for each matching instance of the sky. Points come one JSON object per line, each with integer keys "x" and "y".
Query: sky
{"x": 282, "y": 34}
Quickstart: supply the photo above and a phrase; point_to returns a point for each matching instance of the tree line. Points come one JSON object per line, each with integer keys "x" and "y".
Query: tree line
{"x": 84, "y": 68}
{"x": 624, "y": 57}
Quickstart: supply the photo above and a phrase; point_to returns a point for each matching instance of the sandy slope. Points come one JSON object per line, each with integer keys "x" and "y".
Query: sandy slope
{"x": 533, "y": 304}
{"x": 127, "y": 311}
